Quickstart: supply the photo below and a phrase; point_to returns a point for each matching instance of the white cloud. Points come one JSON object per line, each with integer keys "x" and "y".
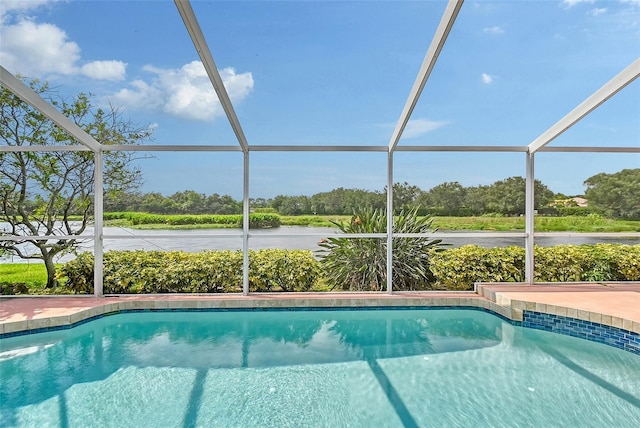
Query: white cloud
{"x": 598, "y": 11}
{"x": 33, "y": 49}
{"x": 487, "y": 79}
{"x": 418, "y": 127}
{"x": 19, "y": 7}
{"x": 142, "y": 96}
{"x": 105, "y": 70}
{"x": 493, "y": 30}
{"x": 185, "y": 92}
{"x": 570, "y": 3}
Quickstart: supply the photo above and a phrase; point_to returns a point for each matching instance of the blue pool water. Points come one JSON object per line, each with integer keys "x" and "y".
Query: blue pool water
{"x": 365, "y": 368}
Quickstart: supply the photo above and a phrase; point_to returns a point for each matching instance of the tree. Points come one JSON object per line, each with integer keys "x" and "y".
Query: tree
{"x": 43, "y": 193}
{"x": 155, "y": 203}
{"x": 507, "y": 196}
{"x": 404, "y": 195}
{"x": 189, "y": 202}
{"x": 615, "y": 195}
{"x": 224, "y": 204}
{"x": 122, "y": 201}
{"x": 291, "y": 205}
{"x": 446, "y": 198}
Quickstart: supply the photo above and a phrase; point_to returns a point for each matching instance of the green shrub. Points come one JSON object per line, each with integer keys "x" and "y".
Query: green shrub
{"x": 204, "y": 272}
{"x": 265, "y": 210}
{"x": 256, "y": 220}
{"x": 182, "y": 219}
{"x": 115, "y": 215}
{"x": 361, "y": 263}
{"x": 263, "y": 220}
{"x": 459, "y": 268}
{"x": 297, "y": 270}
{"x": 13, "y": 288}
{"x": 79, "y": 273}
{"x": 282, "y": 270}
{"x": 575, "y": 211}
{"x": 599, "y": 262}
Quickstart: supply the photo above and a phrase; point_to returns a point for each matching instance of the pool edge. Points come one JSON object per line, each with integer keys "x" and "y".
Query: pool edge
{"x": 610, "y": 330}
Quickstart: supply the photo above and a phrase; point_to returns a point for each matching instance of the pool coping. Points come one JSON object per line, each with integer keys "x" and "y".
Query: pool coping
{"x": 582, "y": 301}
{"x": 76, "y": 309}
{"x": 562, "y": 305}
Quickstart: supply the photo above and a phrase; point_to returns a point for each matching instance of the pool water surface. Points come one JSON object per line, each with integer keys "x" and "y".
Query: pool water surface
{"x": 319, "y": 368}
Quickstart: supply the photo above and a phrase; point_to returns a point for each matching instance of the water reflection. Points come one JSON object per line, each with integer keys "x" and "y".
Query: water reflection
{"x": 91, "y": 352}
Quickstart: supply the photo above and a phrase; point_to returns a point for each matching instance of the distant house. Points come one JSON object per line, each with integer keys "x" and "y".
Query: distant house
{"x": 571, "y": 202}
{"x": 581, "y": 202}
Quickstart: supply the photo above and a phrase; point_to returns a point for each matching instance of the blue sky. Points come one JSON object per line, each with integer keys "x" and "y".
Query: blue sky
{"x": 339, "y": 73}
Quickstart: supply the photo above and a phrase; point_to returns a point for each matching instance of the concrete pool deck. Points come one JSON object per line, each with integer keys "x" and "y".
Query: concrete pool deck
{"x": 611, "y": 304}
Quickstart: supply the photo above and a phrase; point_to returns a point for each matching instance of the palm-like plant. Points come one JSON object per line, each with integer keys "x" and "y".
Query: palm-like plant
{"x": 361, "y": 263}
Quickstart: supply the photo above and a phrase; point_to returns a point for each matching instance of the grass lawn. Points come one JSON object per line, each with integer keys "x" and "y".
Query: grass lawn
{"x": 501, "y": 224}
{"x": 33, "y": 275}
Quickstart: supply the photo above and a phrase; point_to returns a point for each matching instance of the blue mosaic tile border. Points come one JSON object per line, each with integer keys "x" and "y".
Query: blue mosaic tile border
{"x": 612, "y": 336}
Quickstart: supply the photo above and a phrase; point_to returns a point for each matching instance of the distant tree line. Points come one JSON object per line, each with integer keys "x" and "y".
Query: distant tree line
{"x": 612, "y": 195}
{"x": 505, "y": 197}
{"x": 186, "y": 202}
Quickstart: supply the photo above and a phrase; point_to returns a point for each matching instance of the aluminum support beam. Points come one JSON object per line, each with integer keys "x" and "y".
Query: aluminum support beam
{"x": 516, "y": 149}
{"x": 608, "y": 90}
{"x": 20, "y": 238}
{"x": 200, "y": 43}
{"x": 291, "y": 148}
{"x": 529, "y": 220}
{"x": 253, "y": 148}
{"x": 98, "y": 243}
{"x": 440, "y": 37}
{"x": 170, "y": 148}
{"x": 583, "y": 149}
{"x": 26, "y": 94}
{"x": 245, "y": 227}
{"x": 390, "y": 223}
{"x": 41, "y": 149}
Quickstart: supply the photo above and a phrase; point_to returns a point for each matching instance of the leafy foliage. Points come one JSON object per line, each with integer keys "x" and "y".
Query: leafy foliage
{"x": 256, "y": 220}
{"x": 361, "y": 263}
{"x": 505, "y": 197}
{"x": 600, "y": 262}
{"x": 185, "y": 202}
{"x": 288, "y": 270}
{"x": 615, "y": 195}
{"x": 204, "y": 272}
{"x": 282, "y": 270}
{"x": 41, "y": 190}
{"x": 459, "y": 268}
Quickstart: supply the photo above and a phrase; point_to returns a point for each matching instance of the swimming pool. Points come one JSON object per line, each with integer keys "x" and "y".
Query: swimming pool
{"x": 357, "y": 368}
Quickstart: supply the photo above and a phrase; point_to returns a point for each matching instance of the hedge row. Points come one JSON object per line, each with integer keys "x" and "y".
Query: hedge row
{"x": 297, "y": 270}
{"x": 204, "y": 272}
{"x": 459, "y": 268}
{"x": 256, "y": 220}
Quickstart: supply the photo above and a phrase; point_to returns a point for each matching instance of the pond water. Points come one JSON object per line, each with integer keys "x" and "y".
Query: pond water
{"x": 297, "y": 238}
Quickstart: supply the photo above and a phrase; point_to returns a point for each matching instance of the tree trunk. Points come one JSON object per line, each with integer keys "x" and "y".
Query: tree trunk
{"x": 51, "y": 270}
